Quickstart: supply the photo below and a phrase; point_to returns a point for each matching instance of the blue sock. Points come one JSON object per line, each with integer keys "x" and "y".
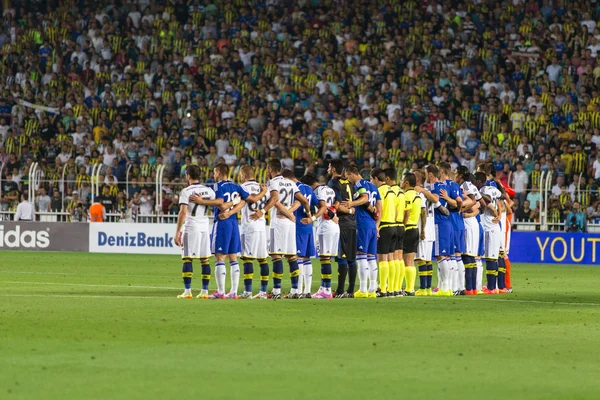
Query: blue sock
{"x": 187, "y": 272}
{"x": 277, "y": 273}
{"x": 501, "y": 272}
{"x": 422, "y": 274}
{"x": 326, "y": 273}
{"x": 491, "y": 271}
{"x": 264, "y": 274}
{"x": 294, "y": 273}
{"x": 429, "y": 274}
{"x": 468, "y": 281}
{"x": 248, "y": 275}
{"x": 205, "y": 274}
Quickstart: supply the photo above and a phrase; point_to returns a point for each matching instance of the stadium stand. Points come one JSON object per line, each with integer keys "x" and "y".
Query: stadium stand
{"x": 106, "y": 93}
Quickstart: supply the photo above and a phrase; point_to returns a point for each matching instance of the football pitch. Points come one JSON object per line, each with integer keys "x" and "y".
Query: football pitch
{"x": 91, "y": 326}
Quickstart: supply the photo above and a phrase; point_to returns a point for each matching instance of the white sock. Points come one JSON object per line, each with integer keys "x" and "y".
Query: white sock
{"x": 461, "y": 274}
{"x": 308, "y": 274}
{"x": 363, "y": 274}
{"x": 276, "y": 291}
{"x": 446, "y": 270}
{"x": 373, "y": 270}
{"x": 187, "y": 291}
{"x": 440, "y": 275}
{"x": 203, "y": 291}
{"x": 220, "y": 274}
{"x": 300, "y": 275}
{"x": 453, "y": 274}
{"x": 479, "y": 273}
{"x": 234, "y": 268}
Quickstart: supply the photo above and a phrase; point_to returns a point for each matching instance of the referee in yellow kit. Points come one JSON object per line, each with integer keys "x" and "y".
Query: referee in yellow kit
{"x": 386, "y": 226}
{"x": 411, "y": 236}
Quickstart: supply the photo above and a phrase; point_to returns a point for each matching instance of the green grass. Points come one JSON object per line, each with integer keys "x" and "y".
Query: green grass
{"x": 89, "y": 326}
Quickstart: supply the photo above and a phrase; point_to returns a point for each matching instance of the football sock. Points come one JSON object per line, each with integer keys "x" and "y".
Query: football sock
{"x": 352, "y": 272}
{"x": 373, "y": 271}
{"x": 308, "y": 274}
{"x": 507, "y": 276}
{"x": 491, "y": 271}
{"x": 384, "y": 273}
{"x": 393, "y": 266}
{"x": 429, "y": 275}
{"x": 445, "y": 281}
{"x": 220, "y": 274}
{"x": 466, "y": 262}
{"x": 342, "y": 273}
{"x": 205, "y": 275}
{"x": 301, "y": 276}
{"x": 400, "y": 274}
{"x": 453, "y": 274}
{"x": 461, "y": 273}
{"x": 234, "y": 268}
{"x": 440, "y": 278}
{"x": 294, "y": 274}
{"x": 187, "y": 271}
{"x": 363, "y": 272}
{"x": 479, "y": 274}
{"x": 248, "y": 275}
{"x": 277, "y": 274}
{"x": 264, "y": 275}
{"x": 411, "y": 275}
{"x": 326, "y": 273}
{"x": 422, "y": 274}
{"x": 501, "y": 273}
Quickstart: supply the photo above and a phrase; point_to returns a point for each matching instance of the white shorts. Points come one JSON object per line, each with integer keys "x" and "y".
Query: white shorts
{"x": 282, "y": 239}
{"x": 471, "y": 237}
{"x": 196, "y": 244}
{"x": 254, "y": 244}
{"x": 493, "y": 241}
{"x": 328, "y": 242}
{"x": 424, "y": 250}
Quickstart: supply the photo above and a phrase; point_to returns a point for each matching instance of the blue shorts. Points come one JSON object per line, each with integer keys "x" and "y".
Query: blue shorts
{"x": 460, "y": 244}
{"x": 305, "y": 243}
{"x": 225, "y": 237}
{"x": 366, "y": 240}
{"x": 444, "y": 240}
{"x": 481, "y": 250}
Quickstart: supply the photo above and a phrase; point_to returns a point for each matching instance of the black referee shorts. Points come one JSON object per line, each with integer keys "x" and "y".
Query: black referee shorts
{"x": 387, "y": 240}
{"x": 411, "y": 240}
{"x": 400, "y": 237}
{"x": 347, "y": 243}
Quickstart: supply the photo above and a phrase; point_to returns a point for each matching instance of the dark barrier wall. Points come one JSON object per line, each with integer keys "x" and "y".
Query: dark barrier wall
{"x": 555, "y": 248}
{"x": 49, "y": 236}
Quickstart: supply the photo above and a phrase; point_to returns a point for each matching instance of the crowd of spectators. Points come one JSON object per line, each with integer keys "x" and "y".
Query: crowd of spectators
{"x": 135, "y": 84}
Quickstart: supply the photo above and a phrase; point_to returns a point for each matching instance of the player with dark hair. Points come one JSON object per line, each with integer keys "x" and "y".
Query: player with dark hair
{"x": 193, "y": 233}
{"x": 346, "y": 257}
{"x": 367, "y": 203}
{"x": 327, "y": 232}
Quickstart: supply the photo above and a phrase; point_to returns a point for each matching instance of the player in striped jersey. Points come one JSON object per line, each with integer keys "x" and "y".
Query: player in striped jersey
{"x": 327, "y": 232}
{"x": 193, "y": 233}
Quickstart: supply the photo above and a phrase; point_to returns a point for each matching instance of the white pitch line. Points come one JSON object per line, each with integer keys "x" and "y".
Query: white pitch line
{"x": 90, "y": 285}
{"x": 77, "y": 296}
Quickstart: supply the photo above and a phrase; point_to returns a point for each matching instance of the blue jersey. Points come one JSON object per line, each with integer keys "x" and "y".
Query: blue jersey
{"x": 454, "y": 191}
{"x": 301, "y": 212}
{"x": 364, "y": 219}
{"x": 228, "y": 191}
{"x": 438, "y": 216}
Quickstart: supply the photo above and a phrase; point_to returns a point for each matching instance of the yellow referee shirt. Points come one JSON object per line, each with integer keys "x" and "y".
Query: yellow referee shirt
{"x": 389, "y": 205}
{"x": 413, "y": 204}
{"x": 399, "y": 205}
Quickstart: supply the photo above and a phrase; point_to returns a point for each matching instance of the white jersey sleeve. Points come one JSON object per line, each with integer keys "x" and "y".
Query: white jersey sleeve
{"x": 286, "y": 191}
{"x": 471, "y": 190}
